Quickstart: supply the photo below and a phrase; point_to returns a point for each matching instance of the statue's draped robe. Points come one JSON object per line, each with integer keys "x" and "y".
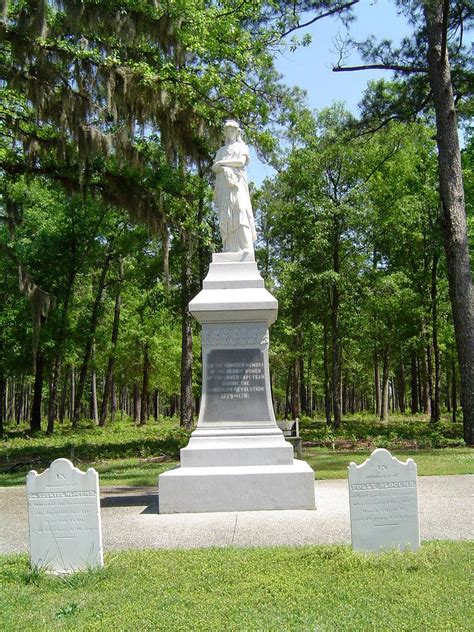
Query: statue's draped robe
{"x": 232, "y": 197}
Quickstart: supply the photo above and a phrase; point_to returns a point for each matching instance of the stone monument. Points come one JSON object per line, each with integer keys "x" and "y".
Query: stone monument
{"x": 383, "y": 503}
{"x": 64, "y": 518}
{"x": 237, "y": 458}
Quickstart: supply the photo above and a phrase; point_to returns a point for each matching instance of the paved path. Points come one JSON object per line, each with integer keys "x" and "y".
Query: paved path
{"x": 130, "y": 519}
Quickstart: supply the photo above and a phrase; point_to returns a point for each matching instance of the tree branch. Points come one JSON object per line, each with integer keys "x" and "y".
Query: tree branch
{"x": 232, "y": 11}
{"x": 337, "y": 9}
{"x": 395, "y": 67}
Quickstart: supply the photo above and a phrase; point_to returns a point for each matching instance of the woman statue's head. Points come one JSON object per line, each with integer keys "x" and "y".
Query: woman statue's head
{"x": 232, "y": 130}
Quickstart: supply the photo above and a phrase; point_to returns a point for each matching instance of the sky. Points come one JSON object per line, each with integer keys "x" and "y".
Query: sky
{"x": 310, "y": 67}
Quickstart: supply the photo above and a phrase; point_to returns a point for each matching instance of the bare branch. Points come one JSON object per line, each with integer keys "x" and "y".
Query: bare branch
{"x": 232, "y": 11}
{"x": 338, "y": 9}
{"x": 404, "y": 69}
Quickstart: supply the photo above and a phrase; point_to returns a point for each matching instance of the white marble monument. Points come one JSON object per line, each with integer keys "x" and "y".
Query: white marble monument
{"x": 64, "y": 518}
{"x": 383, "y": 503}
{"x": 237, "y": 458}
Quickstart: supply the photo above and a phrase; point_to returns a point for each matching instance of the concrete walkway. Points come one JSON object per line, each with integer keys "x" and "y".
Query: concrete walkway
{"x": 130, "y": 519}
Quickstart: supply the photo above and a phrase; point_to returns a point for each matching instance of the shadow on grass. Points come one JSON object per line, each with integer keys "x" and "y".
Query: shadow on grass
{"x": 133, "y": 472}
{"x": 145, "y": 446}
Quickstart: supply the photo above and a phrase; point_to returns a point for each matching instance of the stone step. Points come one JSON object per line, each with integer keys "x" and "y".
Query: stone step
{"x": 237, "y": 488}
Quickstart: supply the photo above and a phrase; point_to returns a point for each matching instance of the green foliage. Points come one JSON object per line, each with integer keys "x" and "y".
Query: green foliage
{"x": 250, "y": 589}
{"x": 360, "y": 429}
{"x": 89, "y": 443}
{"x": 125, "y": 454}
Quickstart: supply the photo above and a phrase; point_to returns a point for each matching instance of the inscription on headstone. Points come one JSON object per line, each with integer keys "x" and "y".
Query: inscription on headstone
{"x": 64, "y": 518}
{"x": 235, "y": 386}
{"x": 383, "y": 503}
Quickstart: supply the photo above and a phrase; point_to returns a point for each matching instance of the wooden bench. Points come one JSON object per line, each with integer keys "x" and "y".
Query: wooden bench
{"x": 291, "y": 432}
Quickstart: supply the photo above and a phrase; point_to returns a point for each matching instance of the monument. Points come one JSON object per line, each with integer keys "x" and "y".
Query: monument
{"x": 383, "y": 503}
{"x": 64, "y": 518}
{"x": 237, "y": 458}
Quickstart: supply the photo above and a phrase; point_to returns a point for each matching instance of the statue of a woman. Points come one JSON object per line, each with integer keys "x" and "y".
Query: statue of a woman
{"x": 232, "y": 192}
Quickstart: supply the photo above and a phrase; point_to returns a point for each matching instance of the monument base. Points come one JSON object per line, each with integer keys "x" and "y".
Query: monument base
{"x": 237, "y": 459}
{"x": 259, "y": 445}
{"x": 237, "y": 488}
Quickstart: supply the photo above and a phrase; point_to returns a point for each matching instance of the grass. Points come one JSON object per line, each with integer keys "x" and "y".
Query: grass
{"x": 321, "y": 588}
{"x": 327, "y": 464}
{"x": 125, "y": 454}
{"x": 330, "y": 464}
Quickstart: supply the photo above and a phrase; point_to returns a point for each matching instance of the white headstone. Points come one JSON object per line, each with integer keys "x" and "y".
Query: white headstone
{"x": 64, "y": 518}
{"x": 383, "y": 503}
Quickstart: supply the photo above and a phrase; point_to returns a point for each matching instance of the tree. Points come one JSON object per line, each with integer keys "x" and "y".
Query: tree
{"x": 431, "y": 81}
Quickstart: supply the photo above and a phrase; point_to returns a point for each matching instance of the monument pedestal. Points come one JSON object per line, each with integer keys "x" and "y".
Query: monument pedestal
{"x": 237, "y": 458}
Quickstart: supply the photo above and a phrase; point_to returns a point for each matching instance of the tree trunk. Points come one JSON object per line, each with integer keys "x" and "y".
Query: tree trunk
{"x": 344, "y": 394}
{"x": 447, "y": 395}
{"x": 454, "y": 395}
{"x": 136, "y": 402}
{"x": 309, "y": 387}
{"x": 430, "y": 377}
{"x": 11, "y": 400}
{"x": 302, "y": 385}
{"x": 296, "y": 378}
{"x": 94, "y": 407}
{"x": 401, "y": 386}
{"x": 327, "y": 397}
{"x": 454, "y": 215}
{"x": 392, "y": 395}
{"x": 20, "y": 401}
{"x": 378, "y": 396}
{"x": 156, "y": 404}
{"x": 3, "y": 389}
{"x": 425, "y": 384}
{"x": 165, "y": 247}
{"x": 113, "y": 400}
{"x": 73, "y": 392}
{"x": 90, "y": 335}
{"x": 436, "y": 369}
{"x": 186, "y": 408}
{"x": 353, "y": 400}
{"x": 415, "y": 406}
{"x": 35, "y": 420}
{"x": 288, "y": 392}
{"x": 59, "y": 350}
{"x": 62, "y": 405}
{"x": 111, "y": 361}
{"x": 335, "y": 359}
{"x": 385, "y": 380}
{"x": 145, "y": 381}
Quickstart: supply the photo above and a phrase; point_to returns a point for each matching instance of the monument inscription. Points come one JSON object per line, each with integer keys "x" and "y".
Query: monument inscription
{"x": 383, "y": 503}
{"x": 64, "y": 518}
{"x": 235, "y": 385}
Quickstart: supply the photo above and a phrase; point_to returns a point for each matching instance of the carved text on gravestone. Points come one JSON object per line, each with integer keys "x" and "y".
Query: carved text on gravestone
{"x": 383, "y": 503}
{"x": 64, "y": 518}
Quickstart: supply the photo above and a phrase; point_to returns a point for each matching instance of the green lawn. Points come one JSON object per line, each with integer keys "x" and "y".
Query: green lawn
{"x": 306, "y": 588}
{"x": 442, "y": 461}
{"x": 125, "y": 454}
{"x": 327, "y": 464}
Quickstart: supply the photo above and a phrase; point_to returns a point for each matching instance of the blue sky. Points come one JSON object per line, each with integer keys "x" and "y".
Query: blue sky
{"x": 310, "y": 67}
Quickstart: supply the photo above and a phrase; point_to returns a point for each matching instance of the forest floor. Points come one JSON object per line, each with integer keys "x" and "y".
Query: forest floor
{"x": 300, "y": 588}
{"x": 126, "y": 454}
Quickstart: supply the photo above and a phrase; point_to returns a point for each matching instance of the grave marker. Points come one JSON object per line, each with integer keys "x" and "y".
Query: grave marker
{"x": 64, "y": 518}
{"x": 383, "y": 503}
